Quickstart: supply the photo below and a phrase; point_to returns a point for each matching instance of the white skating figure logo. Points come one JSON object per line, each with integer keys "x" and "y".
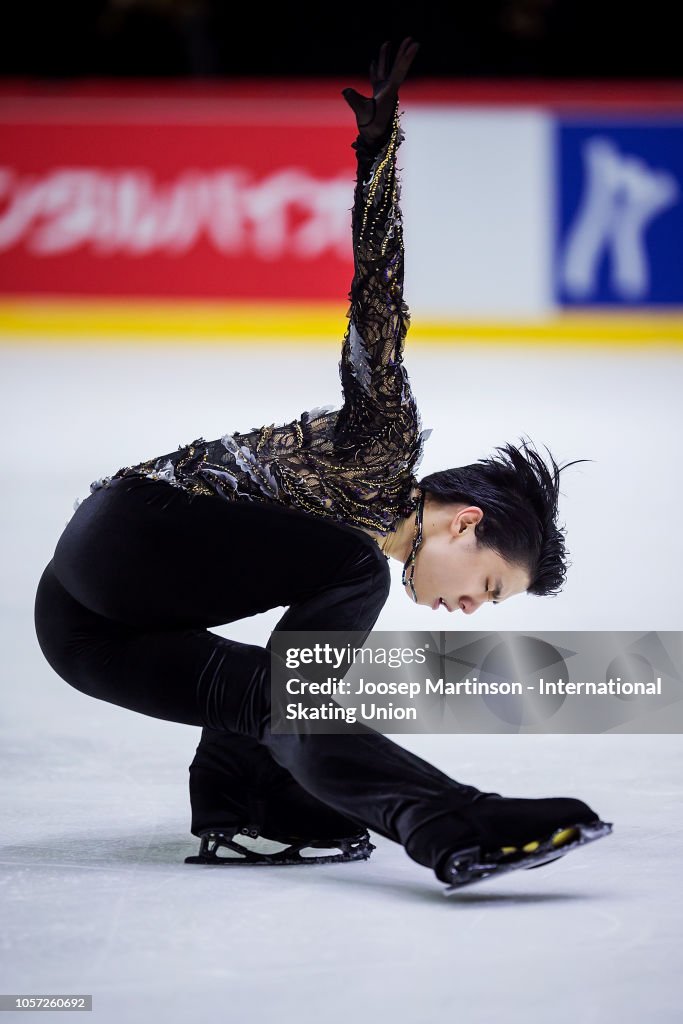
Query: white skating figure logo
{"x": 622, "y": 195}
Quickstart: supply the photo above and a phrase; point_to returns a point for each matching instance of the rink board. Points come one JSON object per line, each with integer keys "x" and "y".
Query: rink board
{"x": 519, "y": 206}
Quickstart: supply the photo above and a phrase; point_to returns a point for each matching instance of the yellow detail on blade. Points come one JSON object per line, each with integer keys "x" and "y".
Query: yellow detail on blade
{"x": 566, "y": 835}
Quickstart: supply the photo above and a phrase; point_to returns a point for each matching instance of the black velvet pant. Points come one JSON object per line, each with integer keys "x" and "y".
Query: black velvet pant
{"x": 121, "y": 614}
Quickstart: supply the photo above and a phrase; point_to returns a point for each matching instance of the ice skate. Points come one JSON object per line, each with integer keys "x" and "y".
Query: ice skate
{"x": 277, "y": 822}
{"x": 246, "y": 846}
{"x": 539, "y": 832}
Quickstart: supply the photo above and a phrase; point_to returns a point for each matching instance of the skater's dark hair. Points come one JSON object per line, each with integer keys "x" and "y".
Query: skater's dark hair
{"x": 517, "y": 493}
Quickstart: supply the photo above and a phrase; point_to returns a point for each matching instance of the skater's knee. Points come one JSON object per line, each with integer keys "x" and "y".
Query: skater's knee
{"x": 368, "y": 590}
{"x": 379, "y": 585}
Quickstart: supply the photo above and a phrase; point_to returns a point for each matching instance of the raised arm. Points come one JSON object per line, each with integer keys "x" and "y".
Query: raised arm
{"x": 375, "y": 385}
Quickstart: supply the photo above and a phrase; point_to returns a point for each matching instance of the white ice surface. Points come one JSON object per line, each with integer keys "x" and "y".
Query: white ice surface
{"x": 95, "y": 895}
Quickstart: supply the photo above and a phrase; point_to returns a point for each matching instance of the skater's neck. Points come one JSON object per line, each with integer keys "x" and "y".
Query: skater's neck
{"x": 399, "y": 542}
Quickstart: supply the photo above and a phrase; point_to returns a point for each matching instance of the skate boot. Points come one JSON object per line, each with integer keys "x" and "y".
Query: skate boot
{"x": 247, "y": 846}
{"x": 501, "y": 834}
{"x": 280, "y": 824}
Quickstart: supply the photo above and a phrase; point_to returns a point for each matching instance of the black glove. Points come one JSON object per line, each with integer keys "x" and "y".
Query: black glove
{"x": 374, "y": 114}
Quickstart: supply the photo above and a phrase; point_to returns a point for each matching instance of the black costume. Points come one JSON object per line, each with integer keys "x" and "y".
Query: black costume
{"x": 162, "y": 551}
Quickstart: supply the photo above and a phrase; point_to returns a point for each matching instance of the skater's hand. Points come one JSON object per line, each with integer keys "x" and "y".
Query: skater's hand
{"x": 375, "y": 113}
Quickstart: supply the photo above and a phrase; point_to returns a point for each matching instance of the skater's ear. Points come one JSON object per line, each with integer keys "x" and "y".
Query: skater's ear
{"x": 465, "y": 518}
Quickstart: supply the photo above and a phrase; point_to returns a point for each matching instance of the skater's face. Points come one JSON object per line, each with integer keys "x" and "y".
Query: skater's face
{"x": 451, "y": 569}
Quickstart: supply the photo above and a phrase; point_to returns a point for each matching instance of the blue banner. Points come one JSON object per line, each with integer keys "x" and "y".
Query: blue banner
{"x": 618, "y": 212}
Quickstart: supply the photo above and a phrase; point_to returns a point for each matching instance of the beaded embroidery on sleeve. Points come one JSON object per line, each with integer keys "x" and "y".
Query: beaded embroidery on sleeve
{"x": 355, "y": 464}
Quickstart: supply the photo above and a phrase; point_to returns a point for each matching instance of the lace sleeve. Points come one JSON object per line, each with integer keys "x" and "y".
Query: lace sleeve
{"x": 377, "y": 394}
{"x": 355, "y": 465}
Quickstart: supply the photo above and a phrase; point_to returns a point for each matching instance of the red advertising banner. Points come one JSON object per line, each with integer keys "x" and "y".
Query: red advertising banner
{"x": 159, "y": 199}
{"x": 240, "y": 191}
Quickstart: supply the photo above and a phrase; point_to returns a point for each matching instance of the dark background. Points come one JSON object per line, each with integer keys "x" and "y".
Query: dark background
{"x": 548, "y": 39}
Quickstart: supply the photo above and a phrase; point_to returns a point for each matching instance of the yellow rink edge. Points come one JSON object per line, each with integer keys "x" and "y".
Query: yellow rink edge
{"x": 222, "y": 323}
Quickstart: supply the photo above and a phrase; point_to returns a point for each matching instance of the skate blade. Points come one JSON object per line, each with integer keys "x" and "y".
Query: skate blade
{"x": 473, "y": 866}
{"x": 258, "y": 850}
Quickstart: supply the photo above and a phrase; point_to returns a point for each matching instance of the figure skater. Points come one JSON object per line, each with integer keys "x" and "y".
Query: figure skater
{"x": 306, "y": 515}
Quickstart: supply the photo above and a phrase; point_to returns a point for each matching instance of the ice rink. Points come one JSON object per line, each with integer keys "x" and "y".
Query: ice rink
{"x": 96, "y": 897}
